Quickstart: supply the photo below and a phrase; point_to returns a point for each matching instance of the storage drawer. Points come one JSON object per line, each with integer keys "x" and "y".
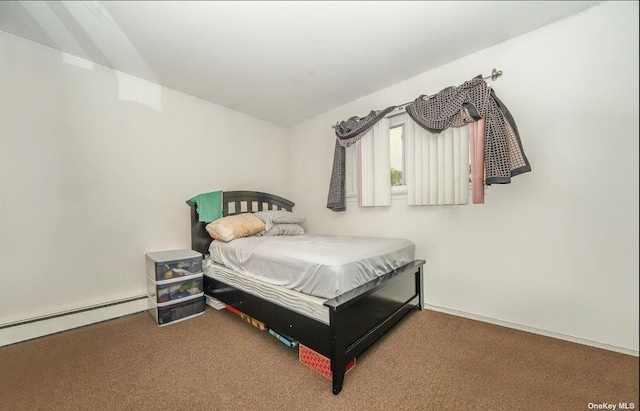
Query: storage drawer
{"x": 172, "y": 313}
{"x": 166, "y": 265}
{"x": 175, "y": 289}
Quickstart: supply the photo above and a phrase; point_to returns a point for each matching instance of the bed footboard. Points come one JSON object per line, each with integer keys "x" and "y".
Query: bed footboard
{"x": 360, "y": 317}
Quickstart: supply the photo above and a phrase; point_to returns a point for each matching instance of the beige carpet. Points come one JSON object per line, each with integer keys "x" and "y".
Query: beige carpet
{"x": 431, "y": 361}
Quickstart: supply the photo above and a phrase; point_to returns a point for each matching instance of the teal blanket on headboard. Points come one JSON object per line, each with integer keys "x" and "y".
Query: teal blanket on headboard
{"x": 209, "y": 206}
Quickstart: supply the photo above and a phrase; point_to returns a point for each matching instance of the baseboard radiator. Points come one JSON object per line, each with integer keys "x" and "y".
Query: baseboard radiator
{"x": 23, "y": 330}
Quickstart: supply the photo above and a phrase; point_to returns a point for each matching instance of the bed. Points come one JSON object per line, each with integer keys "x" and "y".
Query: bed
{"x": 356, "y": 318}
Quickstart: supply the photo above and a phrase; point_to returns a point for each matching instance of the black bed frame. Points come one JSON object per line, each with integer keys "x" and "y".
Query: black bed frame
{"x": 357, "y": 318}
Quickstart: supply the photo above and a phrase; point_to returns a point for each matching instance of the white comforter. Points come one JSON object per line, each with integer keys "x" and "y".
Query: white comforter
{"x": 320, "y": 265}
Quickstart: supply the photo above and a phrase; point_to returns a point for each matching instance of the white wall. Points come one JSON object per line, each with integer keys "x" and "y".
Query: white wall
{"x": 95, "y": 169}
{"x": 555, "y": 251}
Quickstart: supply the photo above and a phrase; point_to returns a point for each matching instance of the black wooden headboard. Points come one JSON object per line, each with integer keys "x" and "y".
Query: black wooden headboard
{"x": 234, "y": 202}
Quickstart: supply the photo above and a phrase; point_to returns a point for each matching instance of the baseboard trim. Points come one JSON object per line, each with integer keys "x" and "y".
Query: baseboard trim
{"x": 532, "y": 330}
{"x": 18, "y": 331}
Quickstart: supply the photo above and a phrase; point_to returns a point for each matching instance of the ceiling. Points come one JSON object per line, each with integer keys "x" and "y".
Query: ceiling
{"x": 283, "y": 62}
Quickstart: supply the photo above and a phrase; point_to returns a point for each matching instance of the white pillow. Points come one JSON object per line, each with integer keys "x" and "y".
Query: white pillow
{"x": 285, "y": 229}
{"x": 271, "y": 217}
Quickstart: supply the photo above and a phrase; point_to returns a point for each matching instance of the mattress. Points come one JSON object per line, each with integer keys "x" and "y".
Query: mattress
{"x": 323, "y": 266}
{"x": 304, "y": 304}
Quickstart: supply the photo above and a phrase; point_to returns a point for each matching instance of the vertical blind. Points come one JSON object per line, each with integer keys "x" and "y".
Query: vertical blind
{"x": 437, "y": 166}
{"x": 374, "y": 182}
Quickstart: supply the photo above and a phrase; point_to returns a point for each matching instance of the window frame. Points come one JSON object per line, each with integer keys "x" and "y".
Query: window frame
{"x": 399, "y": 119}
{"x": 396, "y": 118}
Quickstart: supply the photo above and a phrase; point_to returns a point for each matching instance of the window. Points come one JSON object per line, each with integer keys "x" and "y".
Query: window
{"x": 397, "y": 151}
{"x": 398, "y": 156}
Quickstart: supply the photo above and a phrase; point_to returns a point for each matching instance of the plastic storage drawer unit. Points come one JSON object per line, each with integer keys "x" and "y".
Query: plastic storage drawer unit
{"x": 171, "y": 313}
{"x": 175, "y": 289}
{"x": 166, "y": 265}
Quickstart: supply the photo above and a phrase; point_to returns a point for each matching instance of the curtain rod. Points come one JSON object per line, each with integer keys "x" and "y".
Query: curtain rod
{"x": 495, "y": 73}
